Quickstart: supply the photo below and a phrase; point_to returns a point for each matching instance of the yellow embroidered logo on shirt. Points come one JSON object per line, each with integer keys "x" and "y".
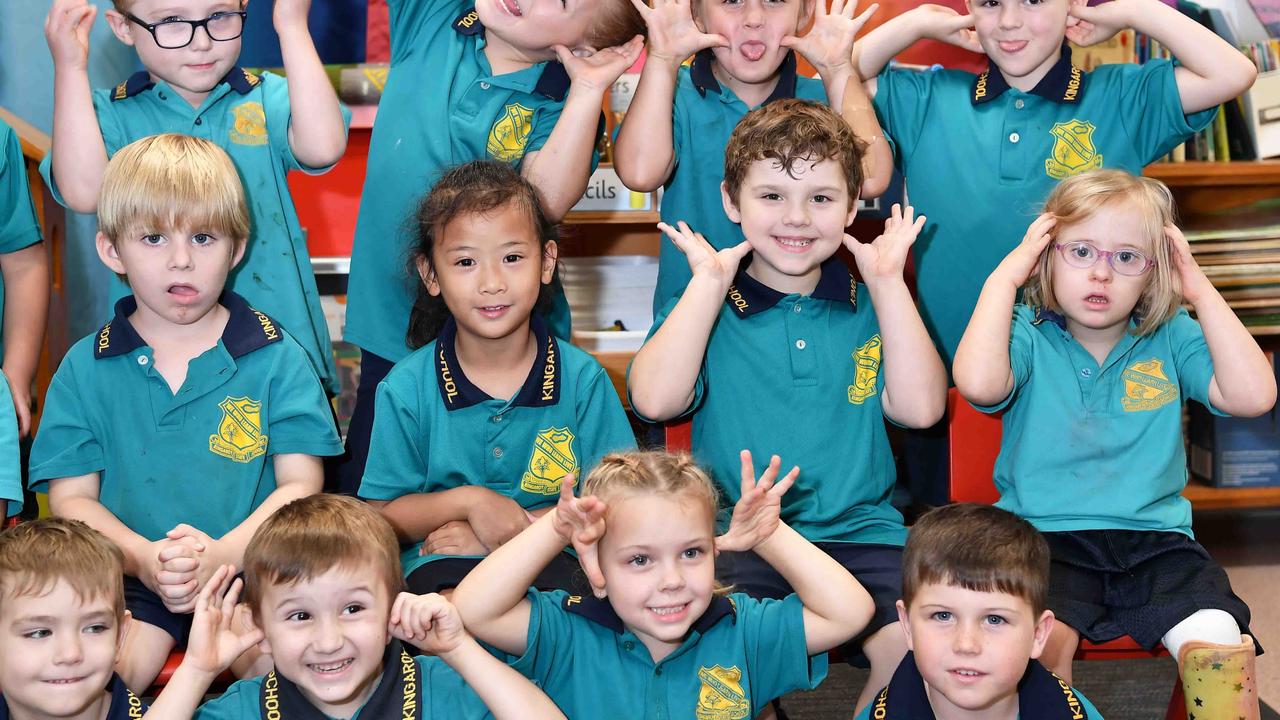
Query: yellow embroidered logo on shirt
{"x": 1146, "y": 387}
{"x": 1073, "y": 150}
{"x": 239, "y": 435}
{"x": 721, "y": 697}
{"x": 250, "y": 126}
{"x": 552, "y": 459}
{"x": 510, "y": 134}
{"x": 866, "y": 362}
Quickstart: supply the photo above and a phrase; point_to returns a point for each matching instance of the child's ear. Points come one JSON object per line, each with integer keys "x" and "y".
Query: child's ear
{"x": 240, "y": 246}
{"x": 853, "y": 211}
{"x": 730, "y": 205}
{"x": 550, "y": 253}
{"x": 906, "y": 626}
{"x": 1044, "y": 626}
{"x": 119, "y": 25}
{"x": 428, "y": 275}
{"x": 126, "y": 621}
{"x": 108, "y": 254}
{"x": 806, "y": 16}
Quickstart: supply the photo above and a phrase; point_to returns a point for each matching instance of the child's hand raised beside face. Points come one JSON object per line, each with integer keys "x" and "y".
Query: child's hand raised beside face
{"x": 758, "y": 511}
{"x": 941, "y": 23}
{"x": 1021, "y": 264}
{"x": 886, "y": 256}
{"x": 1091, "y": 25}
{"x": 216, "y": 641}
{"x": 67, "y": 31}
{"x": 673, "y": 36}
{"x": 828, "y": 45}
{"x": 580, "y": 521}
{"x": 1195, "y": 284}
{"x": 428, "y": 622}
{"x": 597, "y": 70}
{"x": 290, "y": 14}
{"x": 705, "y": 260}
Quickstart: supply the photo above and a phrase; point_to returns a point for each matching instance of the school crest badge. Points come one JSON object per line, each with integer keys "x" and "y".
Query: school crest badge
{"x": 721, "y": 697}
{"x": 510, "y": 133}
{"x": 552, "y": 459}
{"x": 1073, "y": 150}
{"x": 249, "y": 124}
{"x": 239, "y": 437}
{"x": 866, "y": 368}
{"x": 1146, "y": 387}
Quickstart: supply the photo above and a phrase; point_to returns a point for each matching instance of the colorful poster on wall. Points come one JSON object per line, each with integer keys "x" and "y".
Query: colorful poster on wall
{"x": 1269, "y": 13}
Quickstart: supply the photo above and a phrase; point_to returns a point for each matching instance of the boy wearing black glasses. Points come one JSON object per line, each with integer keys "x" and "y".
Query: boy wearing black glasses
{"x": 191, "y": 85}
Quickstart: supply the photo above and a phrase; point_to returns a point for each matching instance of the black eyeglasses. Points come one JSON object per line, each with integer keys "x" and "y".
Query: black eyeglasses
{"x": 174, "y": 34}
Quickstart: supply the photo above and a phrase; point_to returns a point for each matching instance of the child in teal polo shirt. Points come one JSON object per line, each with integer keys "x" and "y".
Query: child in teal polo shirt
{"x": 189, "y": 417}
{"x": 472, "y": 81}
{"x": 659, "y": 638}
{"x": 974, "y": 585}
{"x": 676, "y": 128}
{"x": 1091, "y": 374}
{"x": 477, "y": 428}
{"x": 785, "y": 349}
{"x": 24, "y": 279}
{"x": 322, "y": 582}
{"x": 191, "y": 85}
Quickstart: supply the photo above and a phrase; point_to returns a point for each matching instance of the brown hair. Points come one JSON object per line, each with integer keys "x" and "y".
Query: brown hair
{"x": 315, "y": 534}
{"x": 976, "y": 547}
{"x": 789, "y": 132}
{"x": 172, "y": 181}
{"x": 479, "y": 187}
{"x": 1079, "y": 197}
{"x": 615, "y": 22}
{"x": 35, "y": 555}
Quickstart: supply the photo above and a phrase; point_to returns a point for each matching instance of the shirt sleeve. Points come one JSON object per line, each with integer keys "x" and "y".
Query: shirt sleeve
{"x": 1191, "y": 355}
{"x": 10, "y": 472}
{"x": 239, "y": 702}
{"x": 901, "y": 103}
{"x": 603, "y": 422}
{"x": 446, "y": 694}
{"x": 1153, "y": 116}
{"x": 699, "y": 385}
{"x": 411, "y": 18}
{"x": 1021, "y": 343}
{"x": 18, "y": 225}
{"x": 548, "y": 647}
{"x": 775, "y": 645}
{"x": 397, "y": 462}
{"x": 300, "y": 418}
{"x": 114, "y": 137}
{"x": 275, "y": 100}
{"x": 67, "y": 444}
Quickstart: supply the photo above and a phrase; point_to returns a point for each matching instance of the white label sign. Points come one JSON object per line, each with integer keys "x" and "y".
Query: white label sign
{"x": 606, "y": 193}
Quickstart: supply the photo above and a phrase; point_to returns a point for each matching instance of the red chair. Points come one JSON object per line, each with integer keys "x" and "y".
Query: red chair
{"x": 221, "y": 683}
{"x": 974, "y": 439}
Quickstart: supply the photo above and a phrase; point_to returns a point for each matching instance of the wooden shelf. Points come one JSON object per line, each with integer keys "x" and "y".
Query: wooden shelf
{"x": 1216, "y": 174}
{"x": 1204, "y": 497}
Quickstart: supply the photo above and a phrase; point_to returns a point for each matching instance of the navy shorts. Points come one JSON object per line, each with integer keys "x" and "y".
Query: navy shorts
{"x": 878, "y": 568}
{"x": 562, "y": 573}
{"x": 1109, "y": 583}
{"x": 147, "y": 607}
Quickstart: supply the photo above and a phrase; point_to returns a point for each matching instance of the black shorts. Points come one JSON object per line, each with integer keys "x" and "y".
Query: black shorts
{"x": 878, "y": 568}
{"x": 1107, "y": 584}
{"x": 147, "y": 607}
{"x": 562, "y": 573}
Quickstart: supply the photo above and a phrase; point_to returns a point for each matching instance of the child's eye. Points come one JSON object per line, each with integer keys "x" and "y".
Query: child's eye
{"x": 996, "y": 620}
{"x": 37, "y": 634}
{"x": 96, "y": 629}
{"x": 465, "y": 262}
{"x": 299, "y": 616}
{"x": 513, "y": 258}
{"x": 941, "y": 616}
{"x": 822, "y": 198}
{"x": 771, "y": 196}
{"x": 152, "y": 239}
{"x": 202, "y": 239}
{"x": 691, "y": 553}
{"x": 353, "y": 609}
{"x": 639, "y": 560}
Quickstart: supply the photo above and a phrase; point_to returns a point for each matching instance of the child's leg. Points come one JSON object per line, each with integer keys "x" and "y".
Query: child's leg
{"x": 142, "y": 655}
{"x": 885, "y": 649}
{"x": 1060, "y": 649}
{"x": 1217, "y": 665}
{"x": 372, "y": 371}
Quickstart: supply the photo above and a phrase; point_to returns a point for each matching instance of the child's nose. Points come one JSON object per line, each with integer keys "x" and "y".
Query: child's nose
{"x": 672, "y": 578}
{"x": 1010, "y": 15}
{"x": 1101, "y": 270}
{"x": 966, "y": 641}
{"x": 180, "y": 256}
{"x": 328, "y": 637}
{"x": 201, "y": 39}
{"x": 491, "y": 281}
{"x": 70, "y": 651}
{"x": 797, "y": 213}
{"x": 755, "y": 13}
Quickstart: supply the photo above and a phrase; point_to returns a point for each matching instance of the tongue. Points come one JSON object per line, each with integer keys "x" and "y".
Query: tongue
{"x": 184, "y": 290}
{"x": 752, "y": 50}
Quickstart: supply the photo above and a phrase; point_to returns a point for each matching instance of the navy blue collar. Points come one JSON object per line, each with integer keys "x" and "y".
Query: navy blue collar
{"x": 704, "y": 78}
{"x": 240, "y": 80}
{"x": 246, "y": 330}
{"x": 541, "y": 388}
{"x": 554, "y": 81}
{"x": 124, "y": 704}
{"x": 1064, "y": 82}
{"x": 601, "y": 612}
{"x": 1041, "y": 695}
{"x": 1043, "y": 315}
{"x": 748, "y": 296}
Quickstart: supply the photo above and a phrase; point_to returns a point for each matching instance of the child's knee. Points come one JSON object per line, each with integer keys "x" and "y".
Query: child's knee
{"x": 1210, "y": 626}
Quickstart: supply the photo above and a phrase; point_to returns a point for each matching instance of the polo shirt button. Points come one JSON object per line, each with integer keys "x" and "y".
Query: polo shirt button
{"x": 163, "y": 96}
{"x": 797, "y": 307}
{"x": 628, "y": 645}
{"x": 497, "y": 452}
{"x": 142, "y": 360}
{"x": 199, "y": 121}
{"x": 1086, "y": 372}
{"x": 657, "y": 671}
{"x": 1014, "y": 137}
{"x": 800, "y": 344}
{"x": 484, "y": 86}
{"x": 497, "y": 418}
{"x": 1019, "y": 103}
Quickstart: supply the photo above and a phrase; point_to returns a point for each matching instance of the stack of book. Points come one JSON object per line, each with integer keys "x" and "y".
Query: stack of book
{"x": 1244, "y": 264}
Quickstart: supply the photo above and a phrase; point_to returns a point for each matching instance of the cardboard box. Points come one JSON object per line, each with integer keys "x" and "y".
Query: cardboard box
{"x": 1236, "y": 452}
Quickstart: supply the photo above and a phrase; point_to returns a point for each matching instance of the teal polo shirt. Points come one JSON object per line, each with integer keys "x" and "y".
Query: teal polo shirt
{"x": 18, "y": 226}
{"x": 435, "y": 430}
{"x": 799, "y": 377}
{"x": 413, "y": 688}
{"x": 1099, "y": 447}
{"x": 201, "y": 456}
{"x": 741, "y": 654}
{"x": 702, "y": 119}
{"x": 248, "y": 116}
{"x": 442, "y": 106}
{"x": 10, "y": 457}
{"x": 980, "y": 157}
